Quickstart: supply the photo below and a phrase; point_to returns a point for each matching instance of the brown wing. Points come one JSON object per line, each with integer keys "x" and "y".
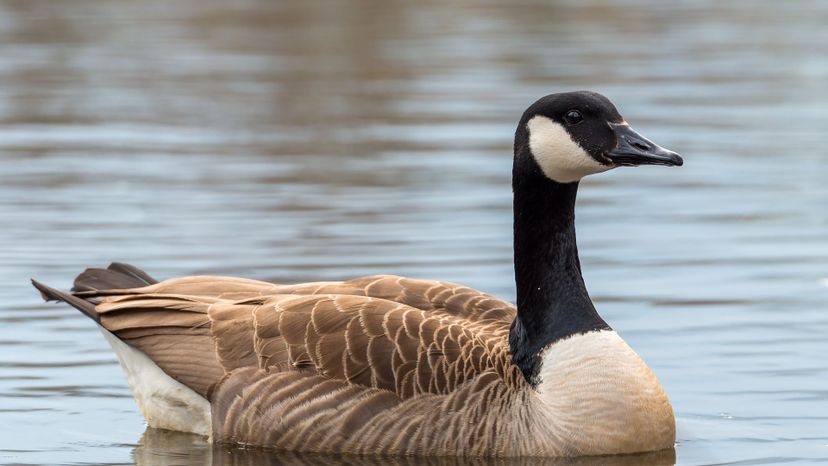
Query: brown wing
{"x": 407, "y": 336}
{"x": 365, "y": 341}
{"x": 361, "y": 340}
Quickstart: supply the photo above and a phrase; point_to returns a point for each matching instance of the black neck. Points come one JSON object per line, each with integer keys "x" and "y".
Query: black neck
{"x": 552, "y": 300}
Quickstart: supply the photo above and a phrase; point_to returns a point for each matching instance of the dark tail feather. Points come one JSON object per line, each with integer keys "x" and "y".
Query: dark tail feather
{"x": 117, "y": 276}
{"x": 51, "y": 294}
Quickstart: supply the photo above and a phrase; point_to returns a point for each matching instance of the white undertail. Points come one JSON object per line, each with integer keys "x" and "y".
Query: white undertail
{"x": 165, "y": 402}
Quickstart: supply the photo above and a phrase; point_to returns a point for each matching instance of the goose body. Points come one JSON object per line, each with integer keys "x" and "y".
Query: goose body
{"x": 392, "y": 365}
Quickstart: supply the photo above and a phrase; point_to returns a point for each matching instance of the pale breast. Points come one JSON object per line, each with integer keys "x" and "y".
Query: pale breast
{"x": 598, "y": 393}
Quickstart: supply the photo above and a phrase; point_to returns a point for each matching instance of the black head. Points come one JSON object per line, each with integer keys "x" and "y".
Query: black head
{"x": 575, "y": 134}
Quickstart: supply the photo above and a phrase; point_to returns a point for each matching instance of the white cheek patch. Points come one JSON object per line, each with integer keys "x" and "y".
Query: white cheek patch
{"x": 560, "y": 158}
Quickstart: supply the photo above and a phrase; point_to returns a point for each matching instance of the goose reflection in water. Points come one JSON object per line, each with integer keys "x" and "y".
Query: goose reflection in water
{"x": 159, "y": 447}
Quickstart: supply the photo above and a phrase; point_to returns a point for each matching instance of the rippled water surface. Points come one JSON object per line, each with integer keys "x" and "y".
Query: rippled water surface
{"x": 297, "y": 141}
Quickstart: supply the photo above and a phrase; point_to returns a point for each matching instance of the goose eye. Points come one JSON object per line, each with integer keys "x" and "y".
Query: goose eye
{"x": 573, "y": 117}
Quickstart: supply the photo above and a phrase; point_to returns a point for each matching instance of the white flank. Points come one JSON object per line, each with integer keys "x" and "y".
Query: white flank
{"x": 560, "y": 158}
{"x": 165, "y": 402}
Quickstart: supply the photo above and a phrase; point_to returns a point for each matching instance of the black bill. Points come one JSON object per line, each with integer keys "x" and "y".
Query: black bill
{"x": 634, "y": 149}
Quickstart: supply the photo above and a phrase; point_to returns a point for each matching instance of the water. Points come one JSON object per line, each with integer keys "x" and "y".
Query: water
{"x": 298, "y": 141}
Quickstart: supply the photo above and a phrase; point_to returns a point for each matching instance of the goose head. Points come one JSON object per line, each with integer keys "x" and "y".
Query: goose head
{"x": 574, "y": 134}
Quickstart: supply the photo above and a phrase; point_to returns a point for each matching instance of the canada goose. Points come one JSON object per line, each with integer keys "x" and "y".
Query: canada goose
{"x": 391, "y": 365}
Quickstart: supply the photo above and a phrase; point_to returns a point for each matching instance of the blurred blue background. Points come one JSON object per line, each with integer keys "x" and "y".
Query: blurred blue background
{"x": 313, "y": 140}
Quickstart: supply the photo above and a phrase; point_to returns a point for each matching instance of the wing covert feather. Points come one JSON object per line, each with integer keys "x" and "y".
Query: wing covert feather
{"x": 378, "y": 343}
